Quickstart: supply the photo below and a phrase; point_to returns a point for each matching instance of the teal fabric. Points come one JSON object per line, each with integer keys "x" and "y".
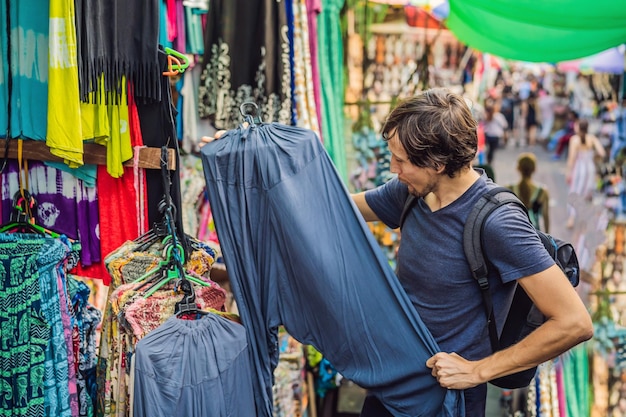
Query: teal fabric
{"x": 195, "y": 40}
{"x": 576, "y": 381}
{"x": 163, "y": 25}
{"x": 330, "y": 56}
{"x": 29, "y": 60}
{"x": 539, "y": 31}
{"x": 88, "y": 173}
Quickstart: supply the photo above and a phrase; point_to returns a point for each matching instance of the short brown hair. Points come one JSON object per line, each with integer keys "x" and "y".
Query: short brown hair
{"x": 436, "y": 128}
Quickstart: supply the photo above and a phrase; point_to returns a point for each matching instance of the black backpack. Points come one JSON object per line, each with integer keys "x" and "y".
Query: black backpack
{"x": 523, "y": 317}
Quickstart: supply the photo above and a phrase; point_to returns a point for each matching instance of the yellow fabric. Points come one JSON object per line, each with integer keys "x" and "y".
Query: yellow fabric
{"x": 119, "y": 148}
{"x": 64, "y": 135}
{"x": 108, "y": 125}
{"x": 95, "y": 118}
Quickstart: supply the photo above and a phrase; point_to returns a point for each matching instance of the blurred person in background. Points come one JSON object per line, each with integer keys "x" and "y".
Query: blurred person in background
{"x": 495, "y": 126}
{"x": 581, "y": 166}
{"x": 507, "y": 108}
{"x": 534, "y": 195}
{"x": 545, "y": 105}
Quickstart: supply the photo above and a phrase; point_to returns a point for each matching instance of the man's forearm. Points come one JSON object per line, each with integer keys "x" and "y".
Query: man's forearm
{"x": 547, "y": 342}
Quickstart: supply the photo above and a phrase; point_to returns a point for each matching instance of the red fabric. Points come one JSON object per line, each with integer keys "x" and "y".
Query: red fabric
{"x": 118, "y": 218}
{"x": 117, "y": 205}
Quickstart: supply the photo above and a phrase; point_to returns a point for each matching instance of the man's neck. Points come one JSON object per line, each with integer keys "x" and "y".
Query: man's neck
{"x": 450, "y": 189}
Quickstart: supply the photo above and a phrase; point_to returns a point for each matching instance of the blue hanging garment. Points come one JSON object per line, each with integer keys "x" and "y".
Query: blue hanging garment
{"x": 299, "y": 254}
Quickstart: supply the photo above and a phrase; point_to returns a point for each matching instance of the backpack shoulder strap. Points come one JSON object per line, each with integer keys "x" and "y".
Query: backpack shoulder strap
{"x": 473, "y": 248}
{"x": 474, "y": 225}
{"x": 408, "y": 205}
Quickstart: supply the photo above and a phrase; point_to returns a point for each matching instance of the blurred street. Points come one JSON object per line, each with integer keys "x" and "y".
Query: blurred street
{"x": 549, "y": 172}
{"x": 588, "y": 231}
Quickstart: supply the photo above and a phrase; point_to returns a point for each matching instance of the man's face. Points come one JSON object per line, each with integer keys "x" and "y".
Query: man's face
{"x": 420, "y": 181}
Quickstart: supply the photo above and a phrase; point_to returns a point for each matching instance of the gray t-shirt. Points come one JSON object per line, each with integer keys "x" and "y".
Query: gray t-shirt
{"x": 434, "y": 272}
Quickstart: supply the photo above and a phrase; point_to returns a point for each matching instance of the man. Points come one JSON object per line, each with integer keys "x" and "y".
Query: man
{"x": 432, "y": 139}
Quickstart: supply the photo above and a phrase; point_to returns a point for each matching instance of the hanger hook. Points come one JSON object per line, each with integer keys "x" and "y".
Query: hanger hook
{"x": 250, "y": 112}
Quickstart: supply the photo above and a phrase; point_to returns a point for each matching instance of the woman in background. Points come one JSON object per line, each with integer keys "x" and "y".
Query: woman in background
{"x": 495, "y": 126}
{"x": 581, "y": 165}
{"x": 535, "y": 196}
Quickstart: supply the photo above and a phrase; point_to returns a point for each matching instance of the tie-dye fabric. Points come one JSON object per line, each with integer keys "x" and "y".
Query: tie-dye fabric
{"x": 29, "y": 59}
{"x": 64, "y": 205}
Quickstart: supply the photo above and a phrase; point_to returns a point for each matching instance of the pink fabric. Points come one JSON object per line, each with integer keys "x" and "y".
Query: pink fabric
{"x": 171, "y": 20}
{"x": 181, "y": 40}
{"x": 560, "y": 389}
{"x": 314, "y": 8}
{"x": 207, "y": 230}
{"x": 146, "y": 314}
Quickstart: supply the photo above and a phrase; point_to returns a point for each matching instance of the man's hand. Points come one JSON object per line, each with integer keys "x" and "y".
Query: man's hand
{"x": 208, "y": 139}
{"x": 452, "y": 371}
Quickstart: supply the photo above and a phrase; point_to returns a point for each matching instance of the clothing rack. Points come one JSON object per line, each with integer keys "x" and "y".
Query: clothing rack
{"x": 149, "y": 157}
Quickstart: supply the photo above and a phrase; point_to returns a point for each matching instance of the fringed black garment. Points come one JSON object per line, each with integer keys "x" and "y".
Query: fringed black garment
{"x": 246, "y": 59}
{"x": 118, "y": 42}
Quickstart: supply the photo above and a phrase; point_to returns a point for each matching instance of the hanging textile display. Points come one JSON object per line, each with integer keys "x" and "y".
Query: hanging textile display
{"x": 206, "y": 364}
{"x": 303, "y": 82}
{"x": 118, "y": 40}
{"x": 313, "y": 9}
{"x": 250, "y": 63}
{"x": 64, "y": 136}
{"x": 331, "y": 69}
{"x": 47, "y": 343}
{"x": 62, "y": 203}
{"x": 129, "y": 316}
{"x": 25, "y": 51}
{"x": 299, "y": 254}
{"x": 84, "y": 336}
{"x": 576, "y": 381}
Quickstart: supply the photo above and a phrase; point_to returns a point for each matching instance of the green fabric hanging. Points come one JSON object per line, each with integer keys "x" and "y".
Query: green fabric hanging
{"x": 576, "y": 381}
{"x": 330, "y": 55}
{"x": 539, "y": 30}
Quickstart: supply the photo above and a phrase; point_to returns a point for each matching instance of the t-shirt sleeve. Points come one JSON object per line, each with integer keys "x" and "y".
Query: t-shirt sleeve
{"x": 512, "y": 245}
{"x": 387, "y": 201}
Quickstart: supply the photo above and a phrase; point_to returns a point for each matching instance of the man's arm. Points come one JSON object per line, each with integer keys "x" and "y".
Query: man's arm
{"x": 568, "y": 324}
{"x": 367, "y": 213}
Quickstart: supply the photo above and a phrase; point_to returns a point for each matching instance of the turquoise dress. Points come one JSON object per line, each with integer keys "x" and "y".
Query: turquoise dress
{"x": 330, "y": 55}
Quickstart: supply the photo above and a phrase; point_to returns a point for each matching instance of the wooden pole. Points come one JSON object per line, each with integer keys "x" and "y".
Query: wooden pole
{"x": 149, "y": 157}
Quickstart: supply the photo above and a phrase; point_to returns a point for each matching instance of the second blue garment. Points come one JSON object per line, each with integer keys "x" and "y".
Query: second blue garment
{"x": 299, "y": 254}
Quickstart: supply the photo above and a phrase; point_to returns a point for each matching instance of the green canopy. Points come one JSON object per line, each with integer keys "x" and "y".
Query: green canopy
{"x": 539, "y": 30}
